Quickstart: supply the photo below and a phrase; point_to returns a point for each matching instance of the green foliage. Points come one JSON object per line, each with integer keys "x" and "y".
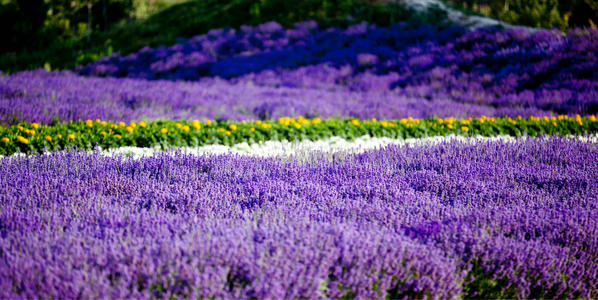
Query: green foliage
{"x": 34, "y": 138}
{"x": 561, "y": 14}
{"x": 196, "y": 17}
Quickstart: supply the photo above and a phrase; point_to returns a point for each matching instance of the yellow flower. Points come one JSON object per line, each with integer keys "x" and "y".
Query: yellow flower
{"x": 129, "y": 129}
{"x": 185, "y": 128}
{"x": 258, "y": 122}
{"x": 103, "y": 133}
{"x": 208, "y": 122}
{"x": 121, "y": 124}
{"x": 59, "y": 136}
{"x": 89, "y": 123}
{"x": 546, "y": 119}
{"x": 252, "y": 129}
{"x": 142, "y": 124}
{"x": 114, "y": 126}
{"x": 383, "y": 123}
{"x": 227, "y": 132}
{"x": 20, "y": 127}
{"x": 297, "y": 125}
{"x": 316, "y": 121}
{"x": 450, "y": 126}
{"x": 221, "y": 129}
{"x": 374, "y": 120}
{"x": 265, "y": 125}
{"x": 35, "y": 125}
{"x": 593, "y": 118}
{"x": 104, "y": 123}
{"x": 178, "y": 125}
{"x": 5, "y": 139}
{"x": 22, "y": 140}
{"x": 164, "y": 130}
{"x": 48, "y": 138}
{"x": 98, "y": 120}
{"x": 117, "y": 136}
{"x": 196, "y": 124}
{"x": 465, "y": 128}
{"x": 553, "y": 123}
{"x": 355, "y": 122}
{"x": 133, "y": 124}
{"x": 232, "y": 127}
{"x": 70, "y": 136}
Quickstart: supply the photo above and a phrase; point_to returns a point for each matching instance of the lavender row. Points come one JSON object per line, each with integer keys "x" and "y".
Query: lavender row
{"x": 542, "y": 69}
{"x": 51, "y": 97}
{"x": 488, "y": 220}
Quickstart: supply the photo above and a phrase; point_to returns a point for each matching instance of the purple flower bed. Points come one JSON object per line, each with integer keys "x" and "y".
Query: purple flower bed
{"x": 545, "y": 69}
{"x": 493, "y": 219}
{"x": 363, "y": 71}
{"x": 45, "y": 97}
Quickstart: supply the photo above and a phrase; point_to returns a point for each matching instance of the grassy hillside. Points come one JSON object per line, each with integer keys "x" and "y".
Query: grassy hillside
{"x": 196, "y": 17}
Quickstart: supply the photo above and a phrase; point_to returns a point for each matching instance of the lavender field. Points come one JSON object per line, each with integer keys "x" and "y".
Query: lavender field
{"x": 514, "y": 215}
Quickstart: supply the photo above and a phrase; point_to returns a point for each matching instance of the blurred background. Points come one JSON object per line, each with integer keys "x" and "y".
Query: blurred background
{"x": 61, "y": 34}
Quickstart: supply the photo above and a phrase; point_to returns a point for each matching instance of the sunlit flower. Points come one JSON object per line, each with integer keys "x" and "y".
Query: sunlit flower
{"x": 227, "y": 132}
{"x": 252, "y": 129}
{"x": 20, "y": 127}
{"x": 129, "y": 129}
{"x": 355, "y": 122}
{"x": 103, "y": 133}
{"x": 117, "y": 136}
{"x": 374, "y": 120}
{"x": 5, "y": 139}
{"x": 593, "y": 118}
{"x": 133, "y": 125}
{"x": 59, "y": 136}
{"x": 142, "y": 124}
{"x": 164, "y": 130}
{"x": 185, "y": 128}
{"x": 316, "y": 121}
{"x": 22, "y": 140}
{"x": 104, "y": 123}
{"x": 196, "y": 124}
{"x": 258, "y": 122}
{"x": 70, "y": 136}
{"x": 98, "y": 120}
{"x": 221, "y": 129}
{"x": 297, "y": 125}
{"x": 89, "y": 123}
{"x": 35, "y": 125}
{"x": 464, "y": 128}
{"x": 232, "y": 127}
{"x": 48, "y": 138}
{"x": 208, "y": 122}
{"x": 121, "y": 124}
{"x": 178, "y": 125}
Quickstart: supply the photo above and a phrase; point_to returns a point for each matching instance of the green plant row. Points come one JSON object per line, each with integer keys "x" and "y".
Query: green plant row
{"x": 36, "y": 138}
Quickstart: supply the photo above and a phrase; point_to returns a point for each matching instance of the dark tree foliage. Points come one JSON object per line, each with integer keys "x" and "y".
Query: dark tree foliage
{"x": 561, "y": 14}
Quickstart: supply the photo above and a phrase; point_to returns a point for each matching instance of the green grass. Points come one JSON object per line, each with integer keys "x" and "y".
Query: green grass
{"x": 196, "y": 17}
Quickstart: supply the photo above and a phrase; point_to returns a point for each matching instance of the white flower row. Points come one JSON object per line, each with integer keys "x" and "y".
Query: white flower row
{"x": 326, "y": 146}
{"x": 308, "y": 148}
